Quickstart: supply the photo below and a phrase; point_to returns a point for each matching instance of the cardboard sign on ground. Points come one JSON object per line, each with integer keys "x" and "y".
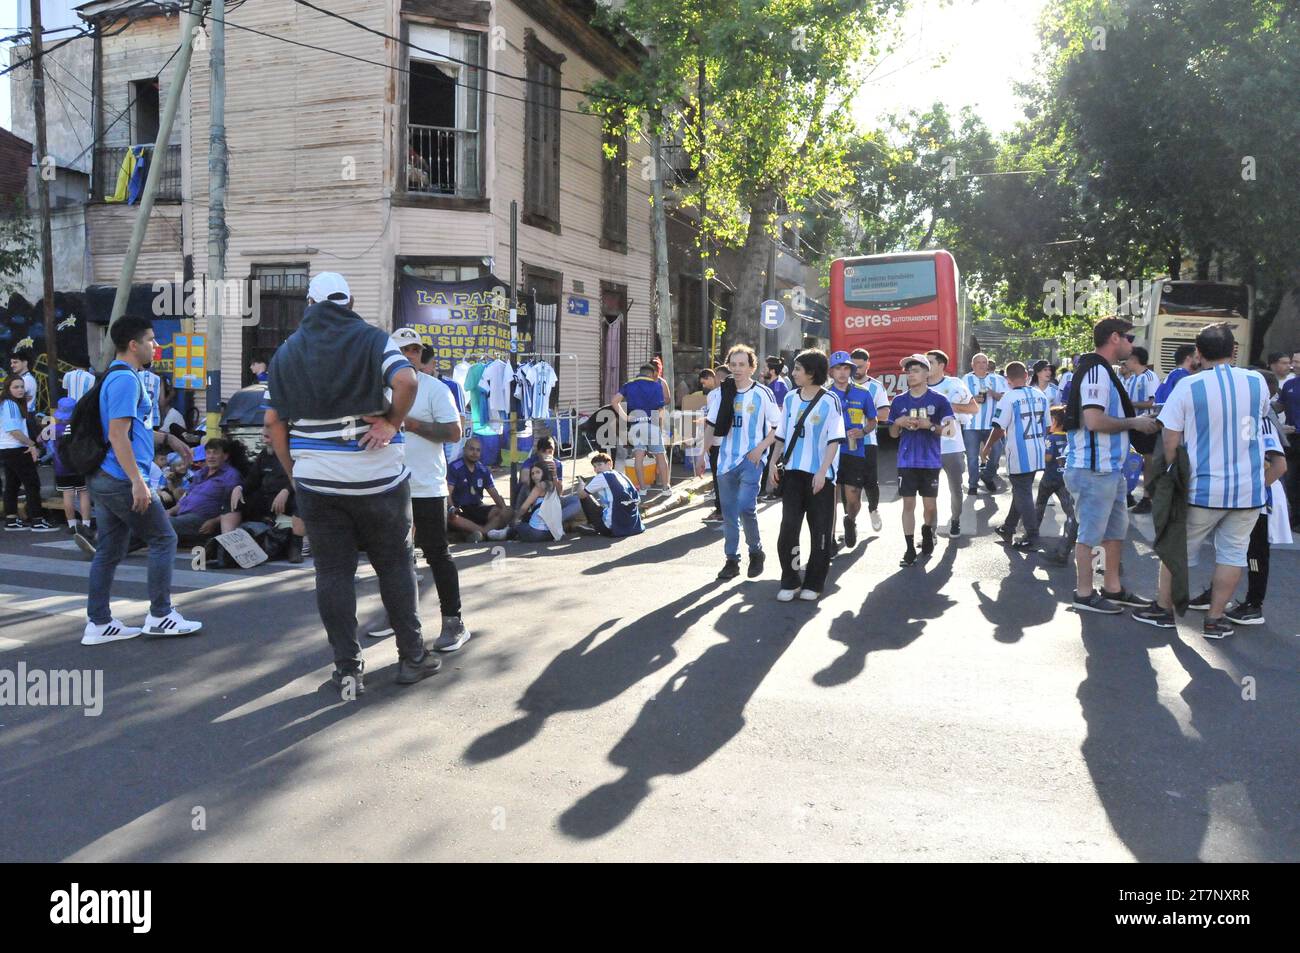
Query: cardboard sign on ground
{"x": 243, "y": 549}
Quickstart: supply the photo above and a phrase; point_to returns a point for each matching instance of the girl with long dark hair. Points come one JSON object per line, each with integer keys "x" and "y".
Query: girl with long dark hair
{"x": 19, "y": 454}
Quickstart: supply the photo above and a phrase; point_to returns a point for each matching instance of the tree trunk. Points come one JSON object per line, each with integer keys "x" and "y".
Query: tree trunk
{"x": 743, "y": 327}
{"x": 1203, "y": 259}
{"x": 1175, "y": 260}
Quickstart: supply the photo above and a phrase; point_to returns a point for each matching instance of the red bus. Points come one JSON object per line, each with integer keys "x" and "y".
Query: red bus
{"x": 896, "y": 305}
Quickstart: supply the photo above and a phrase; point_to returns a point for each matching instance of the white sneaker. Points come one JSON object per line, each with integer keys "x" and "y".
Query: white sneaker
{"x": 173, "y": 623}
{"x": 786, "y": 595}
{"x": 380, "y": 633}
{"x": 112, "y": 631}
{"x": 808, "y": 595}
{"x": 498, "y": 534}
{"x": 875, "y": 521}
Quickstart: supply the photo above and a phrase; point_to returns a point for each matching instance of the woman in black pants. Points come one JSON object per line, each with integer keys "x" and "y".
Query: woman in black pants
{"x": 18, "y": 453}
{"x": 808, "y": 440}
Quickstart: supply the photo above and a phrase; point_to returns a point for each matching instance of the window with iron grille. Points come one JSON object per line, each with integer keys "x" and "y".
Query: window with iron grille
{"x": 282, "y": 299}
{"x": 613, "y": 230}
{"x": 541, "y": 135}
{"x": 444, "y": 142}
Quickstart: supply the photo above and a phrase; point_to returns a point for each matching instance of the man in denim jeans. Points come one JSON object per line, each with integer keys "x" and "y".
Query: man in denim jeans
{"x": 748, "y": 427}
{"x": 124, "y": 503}
{"x": 1094, "y": 467}
{"x": 339, "y": 390}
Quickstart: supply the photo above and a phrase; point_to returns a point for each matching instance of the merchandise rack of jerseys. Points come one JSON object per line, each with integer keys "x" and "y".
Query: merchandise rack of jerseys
{"x": 496, "y": 391}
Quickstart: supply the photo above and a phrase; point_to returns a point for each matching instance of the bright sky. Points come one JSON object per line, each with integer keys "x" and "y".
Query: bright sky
{"x": 960, "y": 52}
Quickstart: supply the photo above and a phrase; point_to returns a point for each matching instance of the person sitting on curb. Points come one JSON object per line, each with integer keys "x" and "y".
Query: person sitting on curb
{"x": 468, "y": 480}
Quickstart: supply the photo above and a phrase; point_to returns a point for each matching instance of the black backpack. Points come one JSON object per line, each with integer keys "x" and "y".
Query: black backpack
{"x": 84, "y": 446}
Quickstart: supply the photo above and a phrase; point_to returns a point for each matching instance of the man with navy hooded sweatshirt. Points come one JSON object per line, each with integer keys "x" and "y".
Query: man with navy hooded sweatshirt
{"x": 339, "y": 390}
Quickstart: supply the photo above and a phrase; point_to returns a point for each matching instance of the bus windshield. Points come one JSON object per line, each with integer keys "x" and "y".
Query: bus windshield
{"x": 889, "y": 285}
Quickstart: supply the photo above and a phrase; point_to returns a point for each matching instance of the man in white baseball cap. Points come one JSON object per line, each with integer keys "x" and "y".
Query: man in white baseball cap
{"x": 407, "y": 337}
{"x": 339, "y": 391}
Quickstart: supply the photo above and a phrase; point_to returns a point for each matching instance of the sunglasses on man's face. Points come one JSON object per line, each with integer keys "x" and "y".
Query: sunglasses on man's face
{"x": 1129, "y": 338}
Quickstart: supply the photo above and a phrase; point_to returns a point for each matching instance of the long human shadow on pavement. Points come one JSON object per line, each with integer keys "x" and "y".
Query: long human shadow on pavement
{"x": 663, "y": 551}
{"x": 587, "y": 675}
{"x": 699, "y": 709}
{"x": 1023, "y": 600}
{"x": 892, "y": 617}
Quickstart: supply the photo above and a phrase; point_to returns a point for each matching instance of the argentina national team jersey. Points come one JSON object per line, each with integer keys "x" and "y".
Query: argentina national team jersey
{"x": 77, "y": 382}
{"x": 879, "y": 397}
{"x": 754, "y": 414}
{"x": 823, "y": 433}
{"x": 1025, "y": 416}
{"x": 1086, "y": 450}
{"x": 1221, "y": 414}
{"x": 153, "y": 384}
{"x": 982, "y": 419}
{"x": 1142, "y": 387}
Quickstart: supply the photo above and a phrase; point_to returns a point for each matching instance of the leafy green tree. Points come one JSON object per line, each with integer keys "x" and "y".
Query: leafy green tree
{"x": 758, "y": 94}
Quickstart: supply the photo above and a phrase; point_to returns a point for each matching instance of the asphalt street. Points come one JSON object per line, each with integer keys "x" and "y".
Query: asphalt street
{"x": 616, "y": 703}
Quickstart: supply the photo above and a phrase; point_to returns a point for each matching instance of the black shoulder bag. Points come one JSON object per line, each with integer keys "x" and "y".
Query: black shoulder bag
{"x": 795, "y": 436}
{"x": 85, "y": 446}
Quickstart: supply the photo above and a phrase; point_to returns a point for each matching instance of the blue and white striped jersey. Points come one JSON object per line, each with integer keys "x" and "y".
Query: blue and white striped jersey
{"x": 879, "y": 397}
{"x": 754, "y": 415}
{"x": 1025, "y": 416}
{"x": 76, "y": 382}
{"x": 823, "y": 432}
{"x": 955, "y": 390}
{"x": 1142, "y": 386}
{"x": 982, "y": 419}
{"x": 328, "y": 458}
{"x": 1221, "y": 413}
{"x": 1086, "y": 450}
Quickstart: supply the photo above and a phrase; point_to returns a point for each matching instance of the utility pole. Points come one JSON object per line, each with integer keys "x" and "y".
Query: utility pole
{"x": 44, "y": 162}
{"x": 217, "y": 232}
{"x": 663, "y": 292}
{"x": 183, "y": 57}
{"x": 705, "y": 310}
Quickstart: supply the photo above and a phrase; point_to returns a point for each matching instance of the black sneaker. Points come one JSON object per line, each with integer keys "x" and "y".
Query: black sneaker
{"x": 1154, "y": 615}
{"x": 42, "y": 525}
{"x": 1093, "y": 602}
{"x": 850, "y": 532}
{"x": 1131, "y": 501}
{"x": 410, "y": 671}
{"x": 909, "y": 558}
{"x": 15, "y": 522}
{"x": 954, "y": 528}
{"x": 1025, "y": 543}
{"x": 1201, "y": 602}
{"x": 972, "y": 490}
{"x": 755, "y": 565}
{"x": 1003, "y": 534}
{"x": 1244, "y": 613}
{"x": 730, "y": 569}
{"x": 1143, "y": 506}
{"x": 85, "y": 544}
{"x": 1126, "y": 598}
{"x": 927, "y": 540}
{"x": 349, "y": 681}
{"x": 992, "y": 484}
{"x": 1216, "y": 628}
